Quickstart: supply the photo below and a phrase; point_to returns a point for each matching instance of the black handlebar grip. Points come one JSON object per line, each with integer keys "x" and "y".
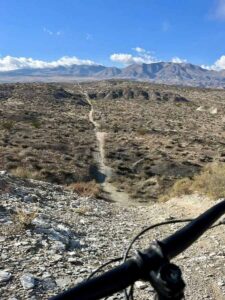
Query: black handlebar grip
{"x": 104, "y": 285}
{"x": 126, "y": 274}
{"x": 183, "y": 238}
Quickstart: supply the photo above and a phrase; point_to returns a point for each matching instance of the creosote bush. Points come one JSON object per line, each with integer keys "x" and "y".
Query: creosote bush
{"x": 85, "y": 189}
{"x": 210, "y": 182}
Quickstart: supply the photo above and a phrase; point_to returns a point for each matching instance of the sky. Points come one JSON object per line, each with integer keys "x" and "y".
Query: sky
{"x": 49, "y": 33}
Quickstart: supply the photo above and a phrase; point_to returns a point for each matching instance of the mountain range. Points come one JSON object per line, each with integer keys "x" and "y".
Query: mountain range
{"x": 160, "y": 72}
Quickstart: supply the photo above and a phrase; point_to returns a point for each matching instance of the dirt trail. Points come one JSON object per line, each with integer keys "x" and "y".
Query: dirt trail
{"x": 104, "y": 170}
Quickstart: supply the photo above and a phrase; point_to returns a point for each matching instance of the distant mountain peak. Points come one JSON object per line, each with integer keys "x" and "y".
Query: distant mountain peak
{"x": 158, "y": 72}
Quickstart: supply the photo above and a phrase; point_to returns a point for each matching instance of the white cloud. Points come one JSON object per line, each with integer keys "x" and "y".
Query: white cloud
{"x": 218, "y": 65}
{"x": 178, "y": 60}
{"x": 50, "y": 32}
{"x": 126, "y": 59}
{"x": 9, "y": 63}
{"x": 219, "y": 12}
{"x": 142, "y": 56}
{"x": 139, "y": 49}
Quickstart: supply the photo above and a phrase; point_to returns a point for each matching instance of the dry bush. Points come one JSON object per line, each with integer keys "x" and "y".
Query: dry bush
{"x": 7, "y": 125}
{"x": 24, "y": 172}
{"x": 36, "y": 124}
{"x": 181, "y": 187}
{"x": 22, "y": 220}
{"x": 210, "y": 182}
{"x": 142, "y": 131}
{"x": 82, "y": 210}
{"x": 85, "y": 189}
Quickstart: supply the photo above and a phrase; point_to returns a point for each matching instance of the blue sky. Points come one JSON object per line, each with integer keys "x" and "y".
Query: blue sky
{"x": 111, "y": 32}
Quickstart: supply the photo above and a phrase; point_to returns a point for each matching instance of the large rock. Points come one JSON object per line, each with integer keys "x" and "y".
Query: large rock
{"x": 5, "y": 276}
{"x": 27, "y": 281}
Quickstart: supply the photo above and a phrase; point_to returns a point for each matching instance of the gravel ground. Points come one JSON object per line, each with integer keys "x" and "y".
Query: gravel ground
{"x": 70, "y": 236}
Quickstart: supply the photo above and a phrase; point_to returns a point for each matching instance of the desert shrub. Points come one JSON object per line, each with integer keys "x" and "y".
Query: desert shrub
{"x": 142, "y": 131}
{"x": 21, "y": 220}
{"x": 11, "y": 165}
{"x": 7, "y": 125}
{"x": 181, "y": 187}
{"x": 59, "y": 147}
{"x": 115, "y": 128}
{"x": 85, "y": 189}
{"x": 210, "y": 182}
{"x": 24, "y": 172}
{"x": 54, "y": 147}
{"x": 36, "y": 124}
{"x": 24, "y": 218}
{"x": 82, "y": 210}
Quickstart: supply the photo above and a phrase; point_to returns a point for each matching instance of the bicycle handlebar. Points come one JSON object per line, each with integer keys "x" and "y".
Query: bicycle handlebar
{"x": 132, "y": 270}
{"x": 183, "y": 238}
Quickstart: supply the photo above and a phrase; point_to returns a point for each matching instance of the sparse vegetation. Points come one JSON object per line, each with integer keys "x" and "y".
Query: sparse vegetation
{"x": 181, "y": 187}
{"x": 82, "y": 210}
{"x": 36, "y": 124}
{"x": 210, "y": 182}
{"x": 24, "y": 218}
{"x": 150, "y": 144}
{"x": 142, "y": 131}
{"x": 7, "y": 125}
{"x": 45, "y": 134}
{"x": 21, "y": 220}
{"x": 85, "y": 189}
{"x": 24, "y": 172}
{"x": 155, "y": 137}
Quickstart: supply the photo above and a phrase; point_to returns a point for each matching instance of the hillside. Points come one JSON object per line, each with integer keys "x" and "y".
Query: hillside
{"x": 115, "y": 147}
{"x": 150, "y": 135}
{"x": 157, "y": 134}
{"x": 45, "y": 133}
{"x": 52, "y": 239}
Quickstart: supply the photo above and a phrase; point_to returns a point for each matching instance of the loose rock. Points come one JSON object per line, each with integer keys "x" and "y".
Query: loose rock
{"x": 5, "y": 276}
{"x": 27, "y": 281}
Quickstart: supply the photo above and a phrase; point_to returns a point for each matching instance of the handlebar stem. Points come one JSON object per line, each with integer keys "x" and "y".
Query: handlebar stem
{"x": 165, "y": 278}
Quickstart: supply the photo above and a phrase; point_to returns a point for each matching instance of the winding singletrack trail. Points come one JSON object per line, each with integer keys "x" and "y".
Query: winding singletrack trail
{"x": 104, "y": 170}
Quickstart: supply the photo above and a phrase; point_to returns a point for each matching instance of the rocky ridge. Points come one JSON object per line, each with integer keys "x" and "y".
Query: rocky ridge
{"x": 69, "y": 236}
{"x": 160, "y": 72}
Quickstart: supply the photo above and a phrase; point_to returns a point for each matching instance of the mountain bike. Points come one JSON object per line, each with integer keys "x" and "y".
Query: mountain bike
{"x": 152, "y": 265}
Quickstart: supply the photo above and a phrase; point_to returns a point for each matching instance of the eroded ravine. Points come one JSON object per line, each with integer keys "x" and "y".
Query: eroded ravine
{"x": 104, "y": 171}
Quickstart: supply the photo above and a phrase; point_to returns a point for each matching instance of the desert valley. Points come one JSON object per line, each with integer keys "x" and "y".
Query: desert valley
{"x": 86, "y": 165}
